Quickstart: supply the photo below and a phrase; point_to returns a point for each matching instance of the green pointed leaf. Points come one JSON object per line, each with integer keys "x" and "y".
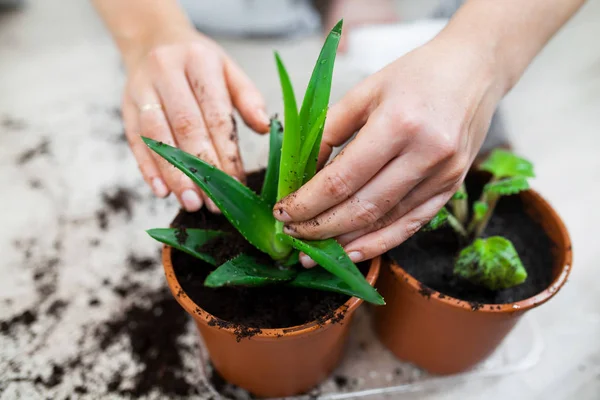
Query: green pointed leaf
{"x": 507, "y": 186}
{"x": 479, "y": 210}
{"x": 311, "y": 138}
{"x": 331, "y": 256}
{"x": 438, "y": 221}
{"x": 269, "y": 189}
{"x": 492, "y": 262}
{"x": 290, "y": 173}
{"x": 504, "y": 164}
{"x": 187, "y": 240}
{"x": 245, "y": 270}
{"x": 321, "y": 279}
{"x": 244, "y": 209}
{"x": 316, "y": 98}
{"x": 460, "y": 194}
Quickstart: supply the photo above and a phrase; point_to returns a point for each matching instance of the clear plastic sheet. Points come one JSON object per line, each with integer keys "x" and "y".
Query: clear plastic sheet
{"x": 369, "y": 370}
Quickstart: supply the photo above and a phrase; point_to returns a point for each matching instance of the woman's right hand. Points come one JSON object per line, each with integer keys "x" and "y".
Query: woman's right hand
{"x": 181, "y": 90}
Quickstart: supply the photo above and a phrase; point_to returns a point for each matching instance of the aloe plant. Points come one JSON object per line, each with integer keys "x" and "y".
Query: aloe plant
{"x": 492, "y": 262}
{"x": 293, "y": 152}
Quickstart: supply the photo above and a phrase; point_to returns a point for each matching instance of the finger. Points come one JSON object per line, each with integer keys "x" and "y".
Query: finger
{"x": 345, "y": 118}
{"x": 217, "y": 111}
{"x": 246, "y": 97}
{"x": 306, "y": 261}
{"x": 424, "y": 191}
{"x": 188, "y": 127}
{"x": 154, "y": 125}
{"x": 338, "y": 181}
{"x": 370, "y": 203}
{"x": 140, "y": 151}
{"x": 378, "y": 242}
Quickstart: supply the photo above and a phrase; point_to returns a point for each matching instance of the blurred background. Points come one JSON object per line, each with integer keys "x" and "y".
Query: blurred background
{"x": 76, "y": 265}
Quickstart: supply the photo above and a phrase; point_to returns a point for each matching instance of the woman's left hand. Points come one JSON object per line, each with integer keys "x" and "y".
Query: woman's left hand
{"x": 421, "y": 121}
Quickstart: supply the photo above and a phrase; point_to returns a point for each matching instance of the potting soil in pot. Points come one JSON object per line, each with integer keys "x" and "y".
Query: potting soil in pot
{"x": 429, "y": 257}
{"x": 243, "y": 308}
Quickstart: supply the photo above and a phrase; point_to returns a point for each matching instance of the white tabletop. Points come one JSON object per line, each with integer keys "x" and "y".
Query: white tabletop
{"x": 60, "y": 84}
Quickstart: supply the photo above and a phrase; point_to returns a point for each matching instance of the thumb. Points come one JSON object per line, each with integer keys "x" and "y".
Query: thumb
{"x": 344, "y": 119}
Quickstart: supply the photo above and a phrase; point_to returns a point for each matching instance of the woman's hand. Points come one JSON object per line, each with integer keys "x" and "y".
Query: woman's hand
{"x": 181, "y": 90}
{"x": 420, "y": 122}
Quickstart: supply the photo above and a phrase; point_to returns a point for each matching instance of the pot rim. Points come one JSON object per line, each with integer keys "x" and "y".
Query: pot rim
{"x": 266, "y": 333}
{"x": 520, "y": 306}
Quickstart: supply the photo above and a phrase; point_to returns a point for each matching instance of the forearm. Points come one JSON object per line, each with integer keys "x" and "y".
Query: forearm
{"x": 508, "y": 34}
{"x": 136, "y": 24}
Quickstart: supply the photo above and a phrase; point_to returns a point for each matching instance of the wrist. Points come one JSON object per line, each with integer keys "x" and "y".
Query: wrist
{"x": 134, "y": 45}
{"x": 480, "y": 62}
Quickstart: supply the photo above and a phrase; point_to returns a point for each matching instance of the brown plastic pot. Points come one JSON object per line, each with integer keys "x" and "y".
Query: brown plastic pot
{"x": 275, "y": 362}
{"x": 444, "y": 335}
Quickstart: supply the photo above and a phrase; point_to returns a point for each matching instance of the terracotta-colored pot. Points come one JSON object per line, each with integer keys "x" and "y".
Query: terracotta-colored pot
{"x": 444, "y": 335}
{"x": 275, "y": 362}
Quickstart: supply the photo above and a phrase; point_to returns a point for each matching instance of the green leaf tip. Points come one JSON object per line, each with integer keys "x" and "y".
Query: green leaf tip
{"x": 492, "y": 262}
{"x": 330, "y": 255}
{"x": 245, "y": 270}
{"x": 187, "y": 240}
{"x": 269, "y": 189}
{"x": 437, "y": 221}
{"x": 338, "y": 27}
{"x": 505, "y": 164}
{"x": 321, "y": 279}
{"x": 244, "y": 209}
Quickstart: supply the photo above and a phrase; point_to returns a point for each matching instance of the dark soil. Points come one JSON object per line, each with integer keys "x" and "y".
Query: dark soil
{"x": 153, "y": 330}
{"x": 119, "y": 201}
{"x": 42, "y": 149}
{"x": 247, "y": 310}
{"x": 429, "y": 256}
{"x": 139, "y": 264}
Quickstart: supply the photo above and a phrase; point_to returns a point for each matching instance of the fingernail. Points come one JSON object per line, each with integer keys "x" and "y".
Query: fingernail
{"x": 159, "y": 188}
{"x": 355, "y": 256}
{"x": 306, "y": 261}
{"x": 212, "y": 206}
{"x": 264, "y": 118}
{"x": 281, "y": 215}
{"x": 191, "y": 201}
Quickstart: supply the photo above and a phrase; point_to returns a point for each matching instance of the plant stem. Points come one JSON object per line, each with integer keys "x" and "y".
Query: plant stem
{"x": 476, "y": 228}
{"x": 460, "y": 207}
{"x": 481, "y": 225}
{"x": 457, "y": 225}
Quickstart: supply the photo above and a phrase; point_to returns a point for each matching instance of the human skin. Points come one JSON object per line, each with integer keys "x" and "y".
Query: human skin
{"x": 182, "y": 89}
{"x": 421, "y": 121}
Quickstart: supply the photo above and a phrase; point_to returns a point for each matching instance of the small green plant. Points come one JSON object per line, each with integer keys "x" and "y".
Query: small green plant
{"x": 292, "y": 162}
{"x": 491, "y": 262}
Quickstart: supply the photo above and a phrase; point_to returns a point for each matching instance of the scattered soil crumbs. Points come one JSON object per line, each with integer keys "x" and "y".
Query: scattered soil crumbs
{"x": 139, "y": 264}
{"x": 25, "y": 319}
{"x": 43, "y": 148}
{"x": 116, "y": 202}
{"x": 119, "y": 201}
{"x": 12, "y": 124}
{"x": 153, "y": 331}
{"x": 56, "y": 308}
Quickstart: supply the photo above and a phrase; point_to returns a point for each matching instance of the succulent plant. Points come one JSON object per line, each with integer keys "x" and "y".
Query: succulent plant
{"x": 491, "y": 262}
{"x": 293, "y": 153}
